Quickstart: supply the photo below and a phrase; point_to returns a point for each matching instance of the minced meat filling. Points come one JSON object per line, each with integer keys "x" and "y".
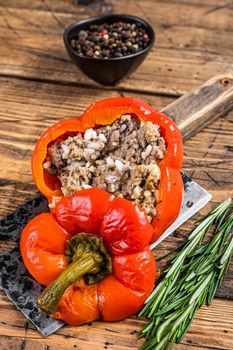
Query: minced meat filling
{"x": 120, "y": 158}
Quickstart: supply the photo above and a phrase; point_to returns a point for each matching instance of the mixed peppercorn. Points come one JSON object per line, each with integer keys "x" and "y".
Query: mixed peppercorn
{"x": 110, "y": 40}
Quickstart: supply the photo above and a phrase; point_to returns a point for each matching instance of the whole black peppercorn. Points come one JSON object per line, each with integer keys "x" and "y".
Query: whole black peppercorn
{"x": 118, "y": 54}
{"x": 106, "y": 52}
{"x": 124, "y": 49}
{"x": 83, "y": 34}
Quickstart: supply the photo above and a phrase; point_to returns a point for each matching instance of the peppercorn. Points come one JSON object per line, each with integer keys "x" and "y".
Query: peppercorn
{"x": 110, "y": 40}
{"x": 118, "y": 54}
{"x": 124, "y": 49}
{"x": 106, "y": 53}
{"x": 73, "y": 43}
{"x": 82, "y": 34}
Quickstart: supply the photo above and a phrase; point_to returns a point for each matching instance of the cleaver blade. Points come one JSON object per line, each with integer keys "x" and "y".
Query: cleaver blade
{"x": 195, "y": 197}
{"x": 15, "y": 281}
{"x": 23, "y": 290}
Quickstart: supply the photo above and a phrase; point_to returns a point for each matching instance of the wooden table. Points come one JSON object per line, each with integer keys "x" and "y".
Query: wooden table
{"x": 39, "y": 86}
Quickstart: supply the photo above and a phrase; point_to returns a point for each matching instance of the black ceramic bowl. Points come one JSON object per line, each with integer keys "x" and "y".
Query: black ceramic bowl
{"x": 107, "y": 71}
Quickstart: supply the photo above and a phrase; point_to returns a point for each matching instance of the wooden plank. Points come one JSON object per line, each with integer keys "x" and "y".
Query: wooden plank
{"x": 198, "y": 108}
{"x": 17, "y": 334}
{"x": 107, "y": 5}
{"x": 179, "y": 62}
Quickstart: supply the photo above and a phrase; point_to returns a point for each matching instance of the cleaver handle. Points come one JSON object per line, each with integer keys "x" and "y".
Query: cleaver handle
{"x": 196, "y": 109}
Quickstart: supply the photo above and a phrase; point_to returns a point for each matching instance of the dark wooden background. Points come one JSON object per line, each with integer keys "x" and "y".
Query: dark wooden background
{"x": 39, "y": 85}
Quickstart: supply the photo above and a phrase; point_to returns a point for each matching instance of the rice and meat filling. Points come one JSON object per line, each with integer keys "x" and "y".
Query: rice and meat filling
{"x": 120, "y": 158}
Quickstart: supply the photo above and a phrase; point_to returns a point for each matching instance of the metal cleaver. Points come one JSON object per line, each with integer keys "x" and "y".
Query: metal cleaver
{"x": 191, "y": 112}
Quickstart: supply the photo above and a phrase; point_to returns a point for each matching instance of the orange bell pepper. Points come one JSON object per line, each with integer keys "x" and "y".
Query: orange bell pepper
{"x": 106, "y": 272}
{"x": 106, "y": 112}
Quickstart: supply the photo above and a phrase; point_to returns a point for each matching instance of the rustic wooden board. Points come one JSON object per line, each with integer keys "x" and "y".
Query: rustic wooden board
{"x": 194, "y": 42}
{"x": 199, "y": 37}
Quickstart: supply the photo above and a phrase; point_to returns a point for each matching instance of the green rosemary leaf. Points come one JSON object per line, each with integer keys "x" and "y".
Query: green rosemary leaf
{"x": 181, "y": 318}
{"x": 191, "y": 286}
{"x": 202, "y": 227}
{"x": 155, "y": 292}
{"x": 187, "y": 324}
{"x": 201, "y": 288}
{"x": 190, "y": 276}
{"x": 222, "y": 218}
{"x": 212, "y": 289}
{"x": 176, "y": 303}
{"x": 206, "y": 264}
{"x": 177, "y": 263}
{"x": 171, "y": 283}
{"x": 199, "y": 251}
{"x": 157, "y": 301}
{"x": 147, "y": 329}
{"x": 162, "y": 344}
{"x": 227, "y": 253}
{"x": 163, "y": 328}
{"x": 205, "y": 269}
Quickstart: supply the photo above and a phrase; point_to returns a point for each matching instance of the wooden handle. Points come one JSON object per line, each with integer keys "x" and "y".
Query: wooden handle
{"x": 196, "y": 109}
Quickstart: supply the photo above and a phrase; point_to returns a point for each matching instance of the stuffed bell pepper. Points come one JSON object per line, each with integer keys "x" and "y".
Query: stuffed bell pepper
{"x": 112, "y": 178}
{"x": 119, "y": 145}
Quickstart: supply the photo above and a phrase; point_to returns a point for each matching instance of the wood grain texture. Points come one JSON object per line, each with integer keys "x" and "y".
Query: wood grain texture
{"x": 211, "y": 329}
{"x": 200, "y": 40}
{"x": 198, "y": 108}
{"x": 39, "y": 86}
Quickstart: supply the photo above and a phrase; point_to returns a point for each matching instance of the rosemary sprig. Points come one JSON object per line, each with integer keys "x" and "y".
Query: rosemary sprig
{"x": 190, "y": 281}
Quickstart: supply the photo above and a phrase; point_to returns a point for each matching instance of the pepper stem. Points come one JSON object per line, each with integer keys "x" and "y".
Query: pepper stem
{"x": 89, "y": 259}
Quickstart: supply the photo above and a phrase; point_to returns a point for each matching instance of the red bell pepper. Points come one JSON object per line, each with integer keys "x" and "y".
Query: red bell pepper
{"x": 104, "y": 112}
{"x": 92, "y": 254}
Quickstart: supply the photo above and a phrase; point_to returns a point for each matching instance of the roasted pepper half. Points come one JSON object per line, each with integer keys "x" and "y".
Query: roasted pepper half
{"x": 106, "y": 112}
{"x": 92, "y": 254}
